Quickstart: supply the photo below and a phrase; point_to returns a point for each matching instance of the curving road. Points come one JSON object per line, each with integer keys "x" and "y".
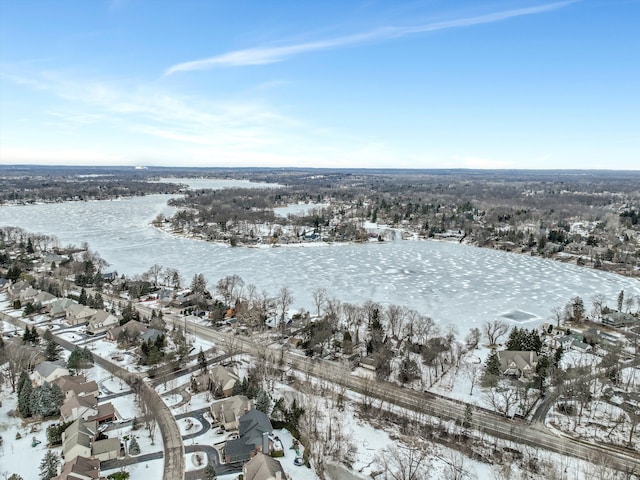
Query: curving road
{"x": 173, "y": 447}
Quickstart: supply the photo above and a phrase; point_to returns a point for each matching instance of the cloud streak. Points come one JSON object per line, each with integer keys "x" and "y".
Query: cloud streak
{"x": 267, "y": 55}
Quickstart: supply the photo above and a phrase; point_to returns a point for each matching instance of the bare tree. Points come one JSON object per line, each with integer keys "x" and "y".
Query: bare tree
{"x": 473, "y": 338}
{"x": 597, "y": 304}
{"x": 395, "y": 317}
{"x": 284, "y": 300}
{"x": 502, "y": 398}
{"x": 400, "y": 462}
{"x": 494, "y": 330}
{"x": 473, "y": 373}
{"x": 320, "y": 297}
{"x": 456, "y": 469}
{"x": 230, "y": 288}
{"x": 154, "y": 273}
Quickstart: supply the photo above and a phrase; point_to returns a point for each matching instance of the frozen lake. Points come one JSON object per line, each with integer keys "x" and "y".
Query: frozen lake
{"x": 450, "y": 282}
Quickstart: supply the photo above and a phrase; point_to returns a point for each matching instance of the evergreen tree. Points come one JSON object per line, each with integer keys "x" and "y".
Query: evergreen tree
{"x": 54, "y": 433}
{"x": 23, "y": 379}
{"x": 515, "y": 339}
{"x": 46, "y": 400}
{"x": 202, "y": 360}
{"x": 98, "y": 302}
{"x": 134, "y": 448}
{"x": 620, "y": 300}
{"x": 491, "y": 369}
{"x": 237, "y": 388}
{"x": 209, "y": 472}
{"x": 15, "y": 476}
{"x": 263, "y": 402}
{"x": 49, "y": 465}
{"x": 52, "y": 351}
{"x": 468, "y": 416}
{"x": 30, "y": 247}
{"x": 47, "y": 336}
{"x": 14, "y": 273}
{"x": 83, "y": 299}
{"x": 558, "y": 356}
{"x": 409, "y": 370}
{"x": 80, "y": 359}
{"x": 24, "y": 400}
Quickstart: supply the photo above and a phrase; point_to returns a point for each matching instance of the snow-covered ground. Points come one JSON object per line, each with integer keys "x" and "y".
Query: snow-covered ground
{"x": 454, "y": 284}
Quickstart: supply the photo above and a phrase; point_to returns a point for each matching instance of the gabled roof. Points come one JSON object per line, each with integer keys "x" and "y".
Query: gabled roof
{"x": 151, "y": 334}
{"x": 224, "y": 376}
{"x": 60, "y": 306}
{"x": 46, "y": 368}
{"x": 523, "y": 360}
{"x": 262, "y": 467}
{"x": 44, "y": 298}
{"x": 80, "y": 311}
{"x": 106, "y": 445}
{"x": 103, "y": 317}
{"x": 79, "y": 468}
{"x": 76, "y": 384}
{"x": 252, "y": 425}
{"x": 132, "y": 327}
{"x": 79, "y": 433}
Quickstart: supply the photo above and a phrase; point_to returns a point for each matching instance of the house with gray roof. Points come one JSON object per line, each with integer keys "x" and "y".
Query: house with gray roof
{"x": 151, "y": 334}
{"x": 521, "y": 364}
{"x": 132, "y": 328}
{"x": 80, "y": 439}
{"x": 253, "y": 436}
{"x": 58, "y": 308}
{"x": 49, "y": 371}
{"x": 619, "y": 320}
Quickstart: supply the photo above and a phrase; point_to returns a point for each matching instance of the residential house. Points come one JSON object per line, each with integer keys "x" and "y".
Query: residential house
{"x": 109, "y": 276}
{"x": 225, "y": 378}
{"x": 77, "y": 314}
{"x": 263, "y": 467}
{"x": 77, "y": 386}
{"x": 518, "y": 363}
{"x": 619, "y": 319}
{"x": 87, "y": 408}
{"x": 102, "y": 321}
{"x": 58, "y": 308}
{"x": 74, "y": 408}
{"x": 151, "y": 334}
{"x": 253, "y": 436}
{"x": 45, "y": 299}
{"x": 27, "y": 295}
{"x": 132, "y": 328}
{"x": 13, "y": 290}
{"x": 49, "y": 371}
{"x": 80, "y": 468}
{"x": 79, "y": 439}
{"x": 567, "y": 340}
{"x": 226, "y": 412}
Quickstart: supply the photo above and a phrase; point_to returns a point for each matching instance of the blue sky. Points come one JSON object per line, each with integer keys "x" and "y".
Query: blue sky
{"x": 398, "y": 84}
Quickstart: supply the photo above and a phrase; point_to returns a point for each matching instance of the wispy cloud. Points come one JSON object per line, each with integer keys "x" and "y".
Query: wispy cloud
{"x": 266, "y": 55}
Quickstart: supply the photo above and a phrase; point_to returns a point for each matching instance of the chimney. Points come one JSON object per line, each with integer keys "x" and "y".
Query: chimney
{"x": 265, "y": 443}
